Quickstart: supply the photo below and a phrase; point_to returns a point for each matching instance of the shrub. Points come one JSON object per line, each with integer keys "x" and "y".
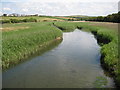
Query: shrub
{"x": 5, "y": 21}
{"x": 18, "y": 20}
{"x": 29, "y": 20}
{"x": 15, "y": 21}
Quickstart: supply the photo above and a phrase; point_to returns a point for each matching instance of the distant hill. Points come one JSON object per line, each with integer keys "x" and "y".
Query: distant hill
{"x": 78, "y": 16}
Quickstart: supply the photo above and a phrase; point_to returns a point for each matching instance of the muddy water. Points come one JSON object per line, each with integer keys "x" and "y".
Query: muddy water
{"x": 74, "y": 63}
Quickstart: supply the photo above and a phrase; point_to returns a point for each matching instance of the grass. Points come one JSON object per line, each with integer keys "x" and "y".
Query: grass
{"x": 107, "y": 38}
{"x": 19, "y": 44}
{"x": 39, "y": 18}
{"x": 53, "y": 17}
{"x": 113, "y": 26}
{"x": 100, "y": 82}
{"x": 65, "y": 26}
{"x": 23, "y": 17}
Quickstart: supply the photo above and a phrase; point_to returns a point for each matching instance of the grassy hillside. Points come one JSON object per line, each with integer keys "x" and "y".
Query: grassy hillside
{"x": 80, "y": 16}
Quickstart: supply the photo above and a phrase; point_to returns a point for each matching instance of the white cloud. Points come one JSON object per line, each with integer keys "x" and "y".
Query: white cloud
{"x": 6, "y": 9}
{"x": 60, "y": 0}
{"x": 57, "y": 8}
{"x": 25, "y": 10}
{"x": 74, "y": 0}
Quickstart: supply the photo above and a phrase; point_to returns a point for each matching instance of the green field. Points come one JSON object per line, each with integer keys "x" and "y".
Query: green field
{"x": 22, "y": 39}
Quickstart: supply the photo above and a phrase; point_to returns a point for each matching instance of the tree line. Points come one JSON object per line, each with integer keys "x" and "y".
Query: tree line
{"x": 110, "y": 18}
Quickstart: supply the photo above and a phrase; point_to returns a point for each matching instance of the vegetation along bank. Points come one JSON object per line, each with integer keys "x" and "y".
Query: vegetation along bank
{"x": 21, "y": 40}
{"x": 107, "y": 38}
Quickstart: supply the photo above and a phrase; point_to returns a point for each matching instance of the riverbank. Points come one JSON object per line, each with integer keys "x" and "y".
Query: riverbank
{"x": 73, "y": 63}
{"x": 22, "y": 40}
{"x": 19, "y": 42}
{"x": 108, "y": 39}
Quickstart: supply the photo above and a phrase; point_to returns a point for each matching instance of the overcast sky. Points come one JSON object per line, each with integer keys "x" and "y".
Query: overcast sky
{"x": 60, "y": 7}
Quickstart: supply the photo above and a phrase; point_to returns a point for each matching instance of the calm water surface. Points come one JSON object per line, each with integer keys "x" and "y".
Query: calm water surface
{"x": 74, "y": 63}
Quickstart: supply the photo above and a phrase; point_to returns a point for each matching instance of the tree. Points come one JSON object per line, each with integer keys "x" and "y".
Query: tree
{"x": 5, "y": 15}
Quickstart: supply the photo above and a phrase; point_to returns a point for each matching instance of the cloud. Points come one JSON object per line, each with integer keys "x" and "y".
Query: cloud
{"x": 60, "y": 8}
{"x": 60, "y": 0}
{"x": 6, "y": 9}
{"x": 25, "y": 10}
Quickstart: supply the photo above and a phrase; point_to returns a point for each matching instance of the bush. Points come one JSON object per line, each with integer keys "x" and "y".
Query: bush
{"x": 15, "y": 21}
{"x": 18, "y": 20}
{"x": 5, "y": 21}
{"x": 29, "y": 20}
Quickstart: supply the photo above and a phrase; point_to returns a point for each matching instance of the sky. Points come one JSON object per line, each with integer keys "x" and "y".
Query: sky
{"x": 60, "y": 7}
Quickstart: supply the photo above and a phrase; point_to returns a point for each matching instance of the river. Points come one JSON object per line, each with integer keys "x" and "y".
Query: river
{"x": 74, "y": 63}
